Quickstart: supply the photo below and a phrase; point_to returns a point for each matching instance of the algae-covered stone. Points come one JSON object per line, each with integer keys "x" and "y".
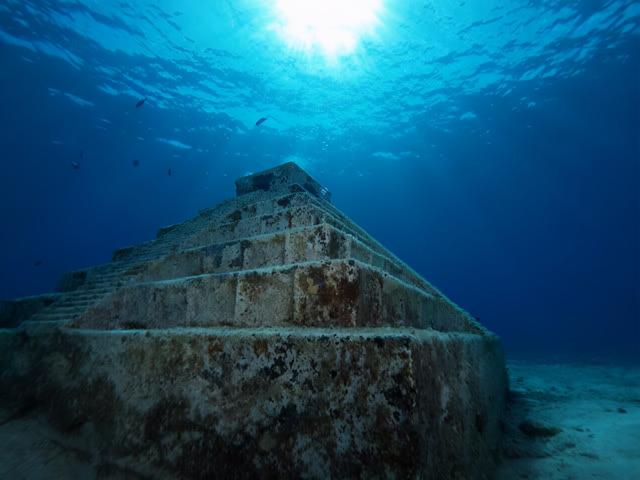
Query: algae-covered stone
{"x": 297, "y": 402}
{"x": 268, "y": 337}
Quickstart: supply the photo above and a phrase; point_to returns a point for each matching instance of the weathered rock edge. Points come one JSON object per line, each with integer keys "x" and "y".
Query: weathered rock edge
{"x": 269, "y": 402}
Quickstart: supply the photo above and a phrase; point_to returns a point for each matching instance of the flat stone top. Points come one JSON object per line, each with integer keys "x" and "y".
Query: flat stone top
{"x": 281, "y": 176}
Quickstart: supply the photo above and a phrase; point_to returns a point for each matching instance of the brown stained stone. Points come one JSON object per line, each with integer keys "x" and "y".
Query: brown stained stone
{"x": 295, "y": 403}
{"x": 264, "y": 296}
{"x": 297, "y": 248}
{"x": 327, "y": 294}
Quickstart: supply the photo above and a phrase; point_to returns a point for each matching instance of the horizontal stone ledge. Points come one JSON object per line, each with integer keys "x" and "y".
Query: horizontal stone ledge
{"x": 304, "y": 215}
{"x": 254, "y": 204}
{"x": 361, "y": 333}
{"x": 315, "y": 243}
{"x": 260, "y": 216}
{"x": 333, "y": 293}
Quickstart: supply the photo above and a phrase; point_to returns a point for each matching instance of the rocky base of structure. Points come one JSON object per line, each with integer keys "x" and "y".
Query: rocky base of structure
{"x": 593, "y": 410}
{"x": 267, "y": 403}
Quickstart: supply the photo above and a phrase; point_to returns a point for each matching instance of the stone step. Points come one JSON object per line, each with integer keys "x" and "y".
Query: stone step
{"x": 251, "y": 226}
{"x": 35, "y": 327}
{"x": 321, "y": 242}
{"x": 334, "y": 293}
{"x": 297, "y": 208}
{"x": 63, "y": 309}
{"x": 304, "y": 212}
{"x": 339, "y": 219}
{"x": 69, "y": 305}
{"x": 396, "y": 266}
{"x": 42, "y": 317}
{"x": 172, "y": 235}
{"x": 14, "y": 312}
{"x": 268, "y": 216}
{"x": 87, "y": 295}
{"x": 63, "y": 306}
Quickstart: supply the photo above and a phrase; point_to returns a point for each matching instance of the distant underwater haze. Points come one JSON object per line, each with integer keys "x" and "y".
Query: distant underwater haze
{"x": 494, "y": 146}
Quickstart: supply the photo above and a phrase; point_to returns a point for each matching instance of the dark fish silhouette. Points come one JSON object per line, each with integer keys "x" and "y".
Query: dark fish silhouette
{"x": 261, "y": 121}
{"x": 75, "y": 165}
{"x": 169, "y": 172}
{"x": 136, "y": 163}
{"x": 141, "y": 102}
{"x": 37, "y": 263}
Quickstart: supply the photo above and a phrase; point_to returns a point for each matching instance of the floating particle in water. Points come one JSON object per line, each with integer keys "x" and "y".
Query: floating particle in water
{"x": 141, "y": 102}
{"x": 75, "y": 165}
{"x": 261, "y": 121}
{"x": 169, "y": 172}
{"x": 136, "y": 163}
{"x": 37, "y": 263}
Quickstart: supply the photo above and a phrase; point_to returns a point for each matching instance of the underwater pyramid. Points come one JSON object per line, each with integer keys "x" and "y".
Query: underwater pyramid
{"x": 268, "y": 337}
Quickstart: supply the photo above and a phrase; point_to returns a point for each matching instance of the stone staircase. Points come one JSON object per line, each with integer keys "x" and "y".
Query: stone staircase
{"x": 262, "y": 229}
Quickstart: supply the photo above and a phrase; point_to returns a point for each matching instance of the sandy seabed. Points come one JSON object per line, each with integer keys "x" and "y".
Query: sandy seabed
{"x": 566, "y": 421}
{"x": 572, "y": 421}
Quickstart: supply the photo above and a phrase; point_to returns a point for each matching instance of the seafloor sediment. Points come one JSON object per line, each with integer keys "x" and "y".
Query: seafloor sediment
{"x": 572, "y": 421}
{"x": 268, "y": 337}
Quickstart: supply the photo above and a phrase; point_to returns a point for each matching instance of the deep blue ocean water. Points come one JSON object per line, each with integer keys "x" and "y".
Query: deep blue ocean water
{"x": 492, "y": 145}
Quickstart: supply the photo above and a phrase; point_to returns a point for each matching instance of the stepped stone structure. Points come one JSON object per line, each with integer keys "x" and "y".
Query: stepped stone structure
{"x": 268, "y": 337}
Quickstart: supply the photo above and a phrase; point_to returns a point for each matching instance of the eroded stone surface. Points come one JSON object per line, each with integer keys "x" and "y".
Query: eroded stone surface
{"x": 268, "y": 337}
{"x": 257, "y": 403}
{"x": 283, "y": 175}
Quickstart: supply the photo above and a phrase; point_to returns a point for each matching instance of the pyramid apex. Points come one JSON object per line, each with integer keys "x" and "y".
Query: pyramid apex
{"x": 285, "y": 175}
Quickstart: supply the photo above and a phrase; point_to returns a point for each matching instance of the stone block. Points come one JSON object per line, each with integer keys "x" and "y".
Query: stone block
{"x": 282, "y": 176}
{"x": 322, "y": 242}
{"x": 274, "y": 403}
{"x": 265, "y": 298}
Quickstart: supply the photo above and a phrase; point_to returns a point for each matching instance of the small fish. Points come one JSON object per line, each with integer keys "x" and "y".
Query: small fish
{"x": 37, "y": 263}
{"x": 169, "y": 172}
{"x": 261, "y": 121}
{"x": 136, "y": 163}
{"x": 75, "y": 165}
{"x": 141, "y": 102}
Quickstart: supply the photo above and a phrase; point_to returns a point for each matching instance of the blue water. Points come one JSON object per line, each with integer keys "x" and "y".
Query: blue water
{"x": 492, "y": 145}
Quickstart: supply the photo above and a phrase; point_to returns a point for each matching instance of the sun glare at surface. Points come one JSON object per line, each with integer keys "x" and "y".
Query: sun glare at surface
{"x": 331, "y": 27}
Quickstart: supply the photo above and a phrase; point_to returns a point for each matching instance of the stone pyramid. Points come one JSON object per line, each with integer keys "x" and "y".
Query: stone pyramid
{"x": 268, "y": 337}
